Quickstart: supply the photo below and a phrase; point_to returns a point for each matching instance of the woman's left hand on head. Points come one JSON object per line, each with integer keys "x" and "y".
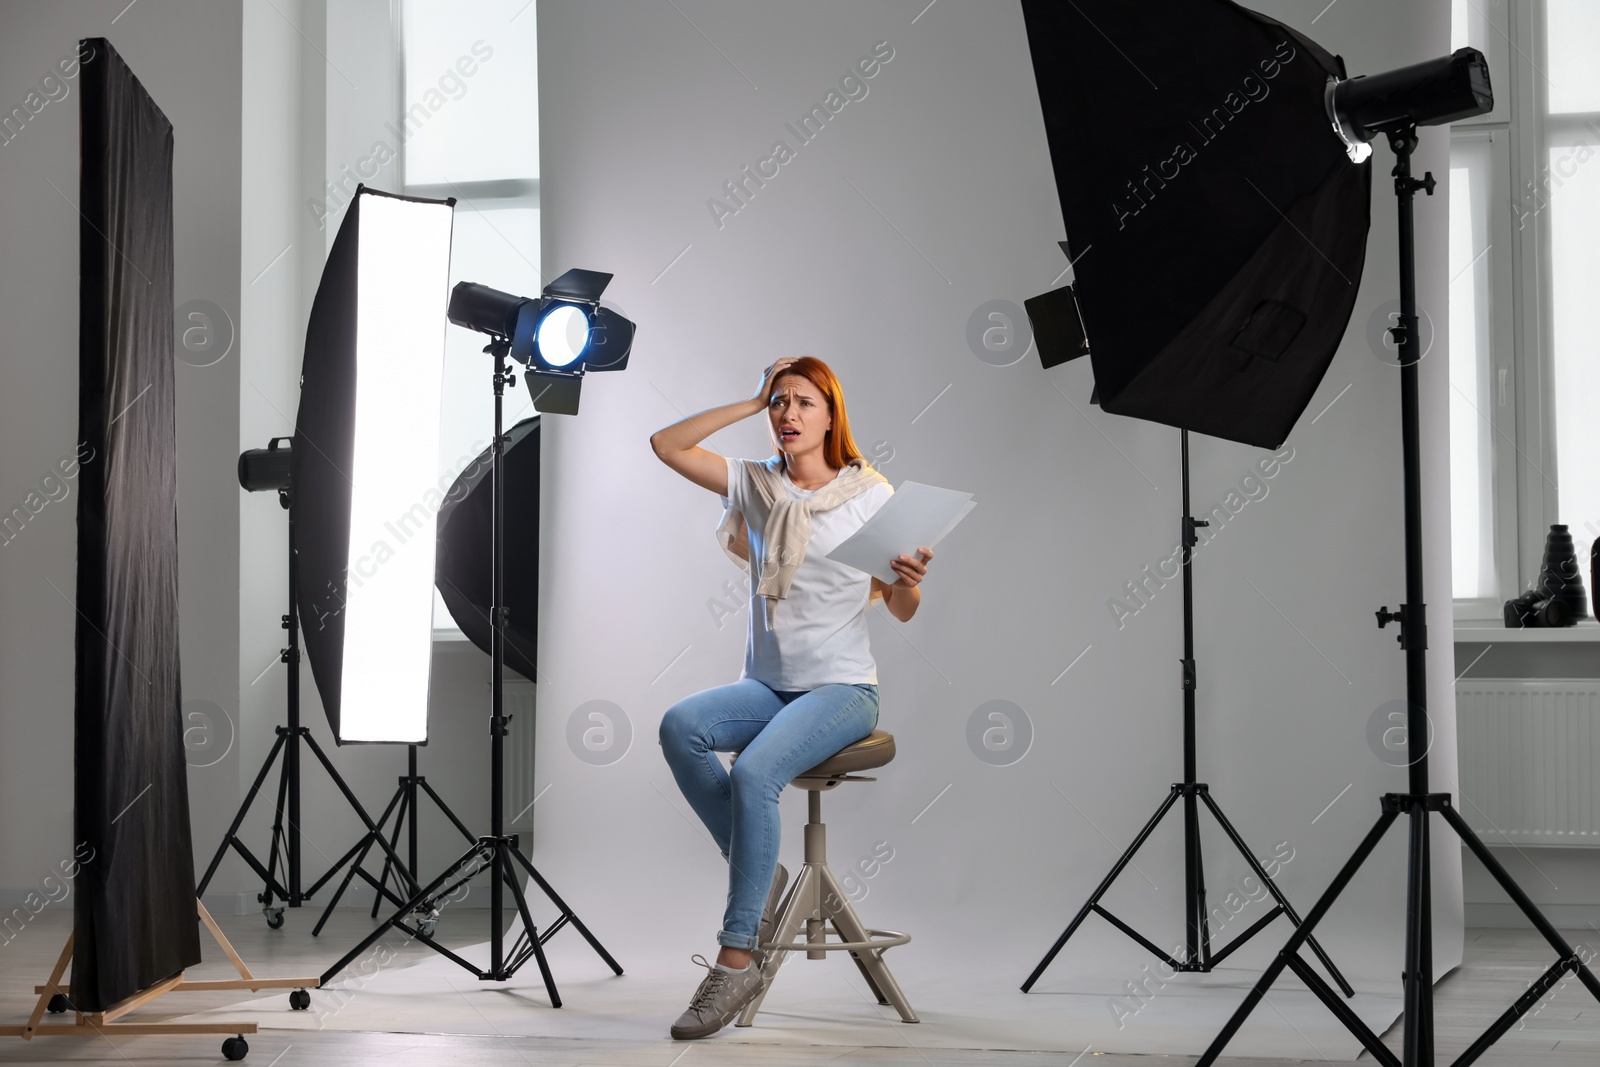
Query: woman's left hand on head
{"x": 911, "y": 569}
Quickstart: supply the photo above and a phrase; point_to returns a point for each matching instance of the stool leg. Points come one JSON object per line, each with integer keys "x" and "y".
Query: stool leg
{"x": 803, "y": 899}
{"x": 872, "y": 983}
{"x": 866, "y": 975}
{"x": 870, "y": 961}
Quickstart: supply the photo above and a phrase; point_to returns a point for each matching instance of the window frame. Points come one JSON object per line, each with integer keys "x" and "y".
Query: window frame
{"x": 1501, "y": 385}
{"x": 480, "y": 197}
{"x": 1525, "y": 479}
{"x": 491, "y": 194}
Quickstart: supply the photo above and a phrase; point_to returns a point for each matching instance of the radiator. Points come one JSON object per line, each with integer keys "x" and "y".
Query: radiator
{"x": 1530, "y": 751}
{"x": 517, "y": 700}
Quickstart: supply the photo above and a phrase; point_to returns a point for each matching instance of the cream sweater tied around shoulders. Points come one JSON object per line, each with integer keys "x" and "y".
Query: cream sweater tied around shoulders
{"x": 788, "y": 528}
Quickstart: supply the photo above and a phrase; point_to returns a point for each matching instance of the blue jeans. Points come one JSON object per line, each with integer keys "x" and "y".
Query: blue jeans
{"x": 777, "y": 736}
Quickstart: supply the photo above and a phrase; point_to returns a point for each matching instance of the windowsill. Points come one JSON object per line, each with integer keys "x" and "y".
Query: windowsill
{"x": 447, "y": 633}
{"x": 1494, "y": 632}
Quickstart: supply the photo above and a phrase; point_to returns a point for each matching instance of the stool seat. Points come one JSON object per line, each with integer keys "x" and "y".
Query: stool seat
{"x": 874, "y": 750}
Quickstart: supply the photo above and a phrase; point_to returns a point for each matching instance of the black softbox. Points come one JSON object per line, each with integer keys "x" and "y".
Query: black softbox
{"x": 463, "y": 572}
{"x": 134, "y": 916}
{"x": 1218, "y": 226}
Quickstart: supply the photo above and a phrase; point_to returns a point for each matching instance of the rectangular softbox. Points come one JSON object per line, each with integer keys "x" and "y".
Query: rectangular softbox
{"x": 364, "y": 473}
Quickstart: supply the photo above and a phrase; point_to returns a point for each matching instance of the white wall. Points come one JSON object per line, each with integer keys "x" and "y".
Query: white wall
{"x": 871, "y": 249}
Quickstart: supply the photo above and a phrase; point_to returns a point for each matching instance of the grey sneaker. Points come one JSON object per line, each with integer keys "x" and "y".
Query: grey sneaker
{"x": 721, "y": 996}
{"x": 769, "y": 914}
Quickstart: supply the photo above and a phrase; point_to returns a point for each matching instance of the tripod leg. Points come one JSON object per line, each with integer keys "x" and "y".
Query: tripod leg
{"x": 1521, "y": 899}
{"x": 1199, "y": 921}
{"x": 238, "y": 818}
{"x": 572, "y": 917}
{"x": 1277, "y": 894}
{"x": 359, "y": 847}
{"x": 1122, "y": 861}
{"x": 356, "y": 853}
{"x": 445, "y": 808}
{"x": 372, "y": 828}
{"x": 1418, "y": 985}
{"x": 534, "y": 944}
{"x": 277, "y": 834}
{"x": 394, "y": 841}
{"x": 406, "y": 909}
{"x": 1523, "y": 1004}
{"x": 1343, "y": 1013}
{"x": 1298, "y": 938}
{"x": 1425, "y": 935}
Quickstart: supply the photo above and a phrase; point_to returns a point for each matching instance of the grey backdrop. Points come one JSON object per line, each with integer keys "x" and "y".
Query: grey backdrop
{"x": 872, "y": 248}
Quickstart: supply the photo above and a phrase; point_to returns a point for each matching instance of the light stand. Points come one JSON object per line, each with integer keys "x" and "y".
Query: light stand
{"x": 290, "y": 737}
{"x": 498, "y": 851}
{"x": 403, "y": 805}
{"x": 1198, "y": 955}
{"x": 1417, "y": 802}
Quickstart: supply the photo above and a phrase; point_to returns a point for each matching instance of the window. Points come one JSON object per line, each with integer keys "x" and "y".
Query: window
{"x": 1524, "y": 265}
{"x": 470, "y": 121}
{"x": 472, "y": 132}
{"x": 1572, "y": 134}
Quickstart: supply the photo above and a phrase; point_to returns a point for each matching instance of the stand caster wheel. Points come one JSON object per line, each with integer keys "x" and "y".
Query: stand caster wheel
{"x": 274, "y": 917}
{"x": 234, "y": 1048}
{"x": 58, "y": 1004}
{"x": 299, "y": 1000}
{"x": 426, "y": 920}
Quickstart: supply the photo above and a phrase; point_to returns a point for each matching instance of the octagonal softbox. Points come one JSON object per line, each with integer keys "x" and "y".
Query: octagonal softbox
{"x": 1218, "y": 226}
{"x": 463, "y": 571}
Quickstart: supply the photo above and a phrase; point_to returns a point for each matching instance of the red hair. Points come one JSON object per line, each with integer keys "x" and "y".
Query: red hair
{"x": 838, "y": 446}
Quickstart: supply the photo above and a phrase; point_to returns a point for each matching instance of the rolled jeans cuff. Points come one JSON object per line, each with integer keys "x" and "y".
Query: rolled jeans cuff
{"x": 750, "y": 942}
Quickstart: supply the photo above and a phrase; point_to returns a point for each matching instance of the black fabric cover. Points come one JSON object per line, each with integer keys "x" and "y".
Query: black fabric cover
{"x": 134, "y": 917}
{"x": 463, "y": 574}
{"x": 1219, "y": 226}
{"x": 324, "y": 449}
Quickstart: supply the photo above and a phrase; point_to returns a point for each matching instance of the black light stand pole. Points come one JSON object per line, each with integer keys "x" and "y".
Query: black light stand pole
{"x": 289, "y": 738}
{"x": 1194, "y": 878}
{"x": 497, "y": 851}
{"x": 1198, "y": 956}
{"x": 1418, "y": 1039}
{"x": 291, "y": 754}
{"x": 288, "y": 743}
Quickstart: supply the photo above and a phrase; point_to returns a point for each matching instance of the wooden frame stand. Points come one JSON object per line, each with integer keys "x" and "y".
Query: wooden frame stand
{"x": 55, "y": 998}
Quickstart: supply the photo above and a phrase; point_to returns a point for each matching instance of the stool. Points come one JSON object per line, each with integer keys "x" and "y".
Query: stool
{"x": 815, "y": 899}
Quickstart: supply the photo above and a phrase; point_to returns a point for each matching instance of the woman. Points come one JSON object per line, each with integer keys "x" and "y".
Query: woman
{"x": 809, "y": 685}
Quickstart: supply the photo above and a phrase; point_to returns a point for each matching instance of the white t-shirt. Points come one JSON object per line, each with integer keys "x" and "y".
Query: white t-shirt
{"x": 819, "y": 633}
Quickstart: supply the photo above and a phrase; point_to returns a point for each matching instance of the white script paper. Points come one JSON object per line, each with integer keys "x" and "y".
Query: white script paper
{"x": 916, "y": 515}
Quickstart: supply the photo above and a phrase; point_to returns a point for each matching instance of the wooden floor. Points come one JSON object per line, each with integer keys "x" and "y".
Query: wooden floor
{"x": 1498, "y": 966}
